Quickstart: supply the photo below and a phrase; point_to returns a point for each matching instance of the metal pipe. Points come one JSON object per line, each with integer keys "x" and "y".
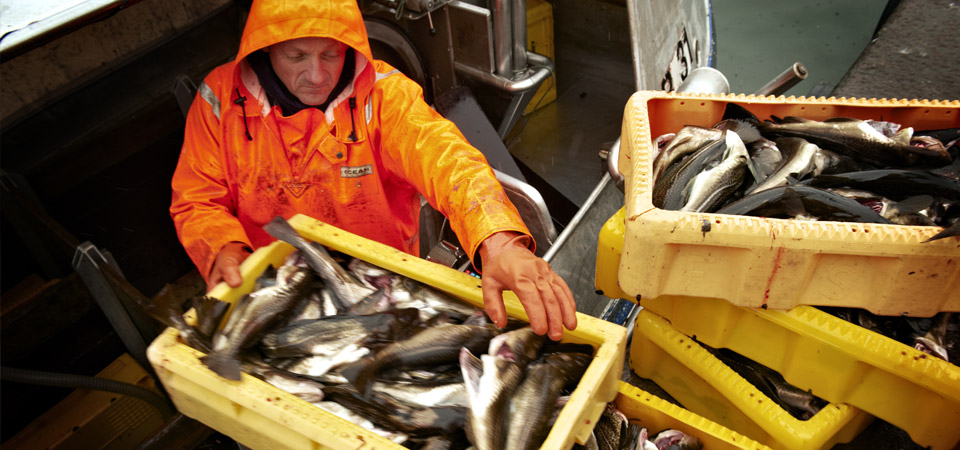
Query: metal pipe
{"x": 633, "y": 17}
{"x": 519, "y": 36}
{"x": 501, "y": 11}
{"x": 544, "y": 70}
{"x": 783, "y": 82}
{"x": 577, "y": 218}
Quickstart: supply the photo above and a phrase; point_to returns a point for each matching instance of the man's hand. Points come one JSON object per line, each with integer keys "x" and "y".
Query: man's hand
{"x": 508, "y": 264}
{"x": 227, "y": 265}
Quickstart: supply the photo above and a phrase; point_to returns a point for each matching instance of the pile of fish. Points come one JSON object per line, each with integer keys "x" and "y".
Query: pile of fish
{"x": 938, "y": 336}
{"x": 840, "y": 169}
{"x": 614, "y": 431}
{"x": 383, "y": 351}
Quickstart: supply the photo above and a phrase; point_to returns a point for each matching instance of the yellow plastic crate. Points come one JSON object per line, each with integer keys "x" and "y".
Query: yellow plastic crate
{"x": 708, "y": 387}
{"x": 262, "y": 416}
{"x": 778, "y": 263}
{"x": 658, "y": 414}
{"x": 540, "y": 40}
{"x": 835, "y": 359}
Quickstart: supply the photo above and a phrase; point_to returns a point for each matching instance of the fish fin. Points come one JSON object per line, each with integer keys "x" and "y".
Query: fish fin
{"x": 735, "y": 111}
{"x": 210, "y": 311}
{"x": 792, "y": 203}
{"x": 282, "y": 230}
{"x": 472, "y": 369}
{"x": 952, "y": 230}
{"x": 360, "y": 374}
{"x": 224, "y": 364}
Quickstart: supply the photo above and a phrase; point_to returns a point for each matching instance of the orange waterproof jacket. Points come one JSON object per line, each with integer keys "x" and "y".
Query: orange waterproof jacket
{"x": 228, "y": 185}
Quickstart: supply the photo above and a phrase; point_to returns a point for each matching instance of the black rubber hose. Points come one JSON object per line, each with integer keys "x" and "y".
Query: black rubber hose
{"x": 84, "y": 382}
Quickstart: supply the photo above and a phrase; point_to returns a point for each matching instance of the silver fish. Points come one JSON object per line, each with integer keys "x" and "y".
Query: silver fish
{"x": 491, "y": 382}
{"x": 711, "y": 187}
{"x": 676, "y": 440}
{"x": 671, "y": 190}
{"x": 533, "y": 403}
{"x": 764, "y": 159}
{"x": 391, "y": 414}
{"x": 688, "y": 140}
{"x": 798, "y": 163}
{"x": 345, "y": 287}
{"x": 304, "y": 388}
{"x": 520, "y": 345}
{"x": 262, "y": 310}
{"x": 441, "y": 392}
{"x": 857, "y": 139}
{"x": 320, "y": 366}
{"x": 329, "y": 335}
{"x": 430, "y": 347}
{"x": 408, "y": 293}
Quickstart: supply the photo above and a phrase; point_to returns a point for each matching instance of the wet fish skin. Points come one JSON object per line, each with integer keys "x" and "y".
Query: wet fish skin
{"x": 686, "y": 141}
{"x": 521, "y": 345}
{"x": 790, "y": 201}
{"x": 676, "y": 440}
{"x": 428, "y": 393}
{"x": 610, "y": 427}
{"x": 210, "y": 311}
{"x": 432, "y": 346}
{"x": 710, "y": 188}
{"x": 764, "y": 159}
{"x": 408, "y": 293}
{"x": 532, "y": 405}
{"x": 934, "y": 341}
{"x": 341, "y": 283}
{"x": 167, "y": 310}
{"x": 855, "y": 138}
{"x": 327, "y": 335}
{"x": 391, "y": 414}
{"x": 669, "y": 190}
{"x": 896, "y": 184}
{"x": 304, "y": 388}
{"x": 265, "y": 309}
{"x": 490, "y": 381}
{"x": 798, "y": 163}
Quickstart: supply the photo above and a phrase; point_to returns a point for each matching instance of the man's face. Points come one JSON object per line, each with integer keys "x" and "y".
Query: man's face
{"x": 309, "y": 67}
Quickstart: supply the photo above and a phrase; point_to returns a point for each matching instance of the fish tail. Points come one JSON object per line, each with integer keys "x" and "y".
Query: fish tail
{"x": 224, "y": 364}
{"x": 360, "y": 374}
{"x": 282, "y": 230}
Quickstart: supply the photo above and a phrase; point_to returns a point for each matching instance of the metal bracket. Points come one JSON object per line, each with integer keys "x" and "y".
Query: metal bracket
{"x": 92, "y": 264}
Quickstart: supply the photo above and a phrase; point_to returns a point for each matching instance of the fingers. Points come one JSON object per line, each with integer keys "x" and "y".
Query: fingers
{"x": 231, "y": 274}
{"x": 568, "y": 305}
{"x": 493, "y": 302}
{"x": 552, "y": 307}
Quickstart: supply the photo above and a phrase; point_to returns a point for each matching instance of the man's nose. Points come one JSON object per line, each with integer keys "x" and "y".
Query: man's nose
{"x": 315, "y": 72}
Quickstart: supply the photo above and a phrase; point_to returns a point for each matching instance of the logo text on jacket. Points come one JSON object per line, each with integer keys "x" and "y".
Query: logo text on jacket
{"x": 358, "y": 171}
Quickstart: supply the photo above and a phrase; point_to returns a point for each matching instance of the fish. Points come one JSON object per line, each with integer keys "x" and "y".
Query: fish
{"x": 794, "y": 200}
{"x": 352, "y": 417}
{"x": 686, "y": 141}
{"x": 676, "y": 440}
{"x": 798, "y": 163}
{"x": 670, "y": 190}
{"x": 896, "y": 184}
{"x": 210, "y": 312}
{"x": 321, "y": 367}
{"x": 711, "y": 187}
{"x": 764, "y": 159}
{"x": 491, "y": 382}
{"x": 408, "y": 293}
{"x": 534, "y": 403}
{"x": 167, "y": 310}
{"x": 521, "y": 345}
{"x": 426, "y": 393}
{"x": 430, "y": 347}
{"x": 388, "y": 413}
{"x": 370, "y": 274}
{"x": 329, "y": 335}
{"x": 344, "y": 286}
{"x": 949, "y": 231}
{"x": 611, "y": 426}
{"x": 262, "y": 310}
{"x": 934, "y": 341}
{"x": 858, "y": 139}
{"x": 307, "y": 389}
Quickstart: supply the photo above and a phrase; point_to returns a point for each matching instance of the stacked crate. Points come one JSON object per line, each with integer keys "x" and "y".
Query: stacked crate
{"x": 743, "y": 283}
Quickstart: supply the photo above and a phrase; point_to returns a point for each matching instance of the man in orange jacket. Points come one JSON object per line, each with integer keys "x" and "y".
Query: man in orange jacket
{"x": 304, "y": 120}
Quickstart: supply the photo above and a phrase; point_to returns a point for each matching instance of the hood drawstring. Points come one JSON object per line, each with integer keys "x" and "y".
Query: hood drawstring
{"x": 241, "y": 100}
{"x": 353, "y": 105}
